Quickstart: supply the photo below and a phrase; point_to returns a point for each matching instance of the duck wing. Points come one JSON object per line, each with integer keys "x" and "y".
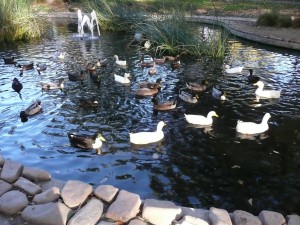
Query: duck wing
{"x": 81, "y": 141}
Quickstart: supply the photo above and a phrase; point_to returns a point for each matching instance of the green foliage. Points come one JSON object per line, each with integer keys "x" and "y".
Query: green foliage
{"x": 274, "y": 19}
{"x": 284, "y": 21}
{"x": 296, "y": 23}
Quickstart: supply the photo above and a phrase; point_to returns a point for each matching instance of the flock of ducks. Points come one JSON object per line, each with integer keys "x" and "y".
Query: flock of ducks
{"x": 188, "y": 94}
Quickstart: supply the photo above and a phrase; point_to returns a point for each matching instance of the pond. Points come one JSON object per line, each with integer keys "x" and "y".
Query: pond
{"x": 195, "y": 167}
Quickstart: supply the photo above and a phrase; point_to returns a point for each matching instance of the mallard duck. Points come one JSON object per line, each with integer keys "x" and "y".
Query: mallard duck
{"x": 16, "y": 85}
{"x": 251, "y": 78}
{"x": 157, "y": 84}
{"x": 237, "y": 69}
{"x": 24, "y": 67}
{"x": 147, "y": 91}
{"x": 164, "y": 106}
{"x": 89, "y": 67}
{"x": 176, "y": 64}
{"x": 88, "y": 102}
{"x": 124, "y": 79}
{"x": 143, "y": 138}
{"x": 152, "y": 70}
{"x": 50, "y": 85}
{"x": 31, "y": 110}
{"x": 253, "y": 128}
{"x": 196, "y": 86}
{"x": 119, "y": 62}
{"x": 160, "y": 60}
{"x": 147, "y": 61}
{"x": 9, "y": 60}
{"x": 201, "y": 120}
{"x": 172, "y": 58}
{"x": 266, "y": 93}
{"x": 218, "y": 94}
{"x": 102, "y": 62}
{"x": 41, "y": 67}
{"x": 188, "y": 97}
{"x": 95, "y": 77}
{"x": 76, "y": 76}
{"x": 85, "y": 141}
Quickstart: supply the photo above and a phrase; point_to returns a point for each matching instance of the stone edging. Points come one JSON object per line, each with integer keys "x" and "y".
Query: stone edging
{"x": 39, "y": 199}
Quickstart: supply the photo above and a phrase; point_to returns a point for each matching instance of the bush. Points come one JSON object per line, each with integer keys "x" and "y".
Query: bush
{"x": 284, "y": 21}
{"x": 267, "y": 19}
{"x": 296, "y": 23}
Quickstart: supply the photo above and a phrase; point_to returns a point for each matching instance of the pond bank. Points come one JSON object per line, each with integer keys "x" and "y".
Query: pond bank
{"x": 32, "y": 196}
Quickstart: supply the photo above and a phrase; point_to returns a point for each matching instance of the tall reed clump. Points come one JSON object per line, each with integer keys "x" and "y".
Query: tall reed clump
{"x": 18, "y": 22}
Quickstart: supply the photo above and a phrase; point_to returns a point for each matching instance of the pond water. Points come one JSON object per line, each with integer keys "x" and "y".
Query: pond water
{"x": 195, "y": 167}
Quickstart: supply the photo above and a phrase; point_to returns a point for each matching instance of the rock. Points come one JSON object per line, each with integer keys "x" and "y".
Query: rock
{"x": 125, "y": 207}
{"x": 45, "y": 185}
{"x": 13, "y": 202}
{"x": 47, "y": 214}
{"x": 50, "y": 195}
{"x": 245, "y": 218}
{"x": 137, "y": 222}
{"x": 160, "y": 212}
{"x": 11, "y": 171}
{"x": 219, "y": 217}
{"x": 4, "y": 187}
{"x": 89, "y": 214}
{"x": 105, "y": 223}
{"x": 36, "y": 174}
{"x": 106, "y": 192}
{"x": 190, "y": 220}
{"x": 29, "y": 187}
{"x": 293, "y": 220}
{"x": 198, "y": 213}
{"x": 74, "y": 193}
{"x": 1, "y": 160}
{"x": 271, "y": 218}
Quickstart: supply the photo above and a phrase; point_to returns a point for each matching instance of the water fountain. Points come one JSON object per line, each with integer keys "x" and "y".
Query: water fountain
{"x": 84, "y": 19}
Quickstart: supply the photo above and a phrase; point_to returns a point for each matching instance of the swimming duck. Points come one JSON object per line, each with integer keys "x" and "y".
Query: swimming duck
{"x": 120, "y": 62}
{"x": 218, "y": 94}
{"x": 237, "y": 69}
{"x": 160, "y": 60}
{"x": 76, "y": 76}
{"x": 164, "y": 106}
{"x": 31, "y": 110}
{"x": 50, "y": 85}
{"x": 147, "y": 44}
{"x": 26, "y": 66}
{"x": 90, "y": 67}
{"x": 196, "y": 86}
{"x": 88, "y": 102}
{"x": 172, "y": 58}
{"x": 175, "y": 64}
{"x": 157, "y": 84}
{"x": 147, "y": 61}
{"x": 201, "y": 120}
{"x": 152, "y": 70}
{"x": 124, "y": 79}
{"x": 16, "y": 85}
{"x": 266, "y": 93}
{"x": 188, "y": 97}
{"x": 102, "y": 62}
{"x": 253, "y": 128}
{"x": 41, "y": 67}
{"x": 251, "y": 78}
{"x": 9, "y": 60}
{"x": 95, "y": 77}
{"x": 85, "y": 141}
{"x": 147, "y": 91}
{"x": 142, "y": 138}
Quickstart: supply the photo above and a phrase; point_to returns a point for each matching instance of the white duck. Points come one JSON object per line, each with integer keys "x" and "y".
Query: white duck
{"x": 266, "y": 93}
{"x": 120, "y": 62}
{"x": 237, "y": 69}
{"x": 253, "y": 128}
{"x": 142, "y": 138}
{"x": 201, "y": 120}
{"x": 185, "y": 96}
{"x": 123, "y": 80}
{"x": 218, "y": 94}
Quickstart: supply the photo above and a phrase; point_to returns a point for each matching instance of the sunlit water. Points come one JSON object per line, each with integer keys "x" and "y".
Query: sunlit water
{"x": 193, "y": 167}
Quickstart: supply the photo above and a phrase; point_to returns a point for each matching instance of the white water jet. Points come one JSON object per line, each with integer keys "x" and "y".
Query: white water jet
{"x": 84, "y": 19}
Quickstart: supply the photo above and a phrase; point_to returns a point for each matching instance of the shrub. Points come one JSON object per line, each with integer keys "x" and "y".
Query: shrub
{"x": 267, "y": 19}
{"x": 296, "y": 23}
{"x": 284, "y": 21}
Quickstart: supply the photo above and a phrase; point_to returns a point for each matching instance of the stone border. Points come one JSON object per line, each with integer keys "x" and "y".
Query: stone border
{"x": 38, "y": 199}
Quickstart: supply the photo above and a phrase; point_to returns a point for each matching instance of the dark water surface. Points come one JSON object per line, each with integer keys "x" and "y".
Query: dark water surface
{"x": 193, "y": 167}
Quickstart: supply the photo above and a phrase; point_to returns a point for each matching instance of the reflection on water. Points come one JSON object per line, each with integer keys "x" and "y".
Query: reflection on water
{"x": 193, "y": 166}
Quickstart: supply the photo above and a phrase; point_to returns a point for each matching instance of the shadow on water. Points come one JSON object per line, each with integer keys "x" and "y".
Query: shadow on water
{"x": 193, "y": 166}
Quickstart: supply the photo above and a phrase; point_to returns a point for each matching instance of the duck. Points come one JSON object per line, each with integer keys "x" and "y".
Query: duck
{"x": 151, "y": 85}
{"x": 147, "y": 91}
{"x": 188, "y": 97}
{"x": 160, "y": 60}
{"x": 88, "y": 102}
{"x": 197, "y": 86}
{"x": 120, "y": 62}
{"x": 90, "y": 67}
{"x": 218, "y": 94}
{"x": 26, "y": 66}
{"x": 102, "y": 62}
{"x": 266, "y": 93}
{"x": 50, "y": 85}
{"x": 237, "y": 69}
{"x": 147, "y": 61}
{"x": 124, "y": 79}
{"x": 251, "y": 78}
{"x": 153, "y": 69}
{"x": 253, "y": 128}
{"x": 76, "y": 76}
{"x": 17, "y": 85}
{"x": 95, "y": 78}
{"x": 176, "y": 64}
{"x": 164, "y": 106}
{"x": 34, "y": 108}
{"x": 147, "y": 44}
{"x": 86, "y": 141}
{"x": 142, "y": 138}
{"x": 41, "y": 67}
{"x": 201, "y": 120}
{"x": 171, "y": 58}
{"x": 9, "y": 60}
